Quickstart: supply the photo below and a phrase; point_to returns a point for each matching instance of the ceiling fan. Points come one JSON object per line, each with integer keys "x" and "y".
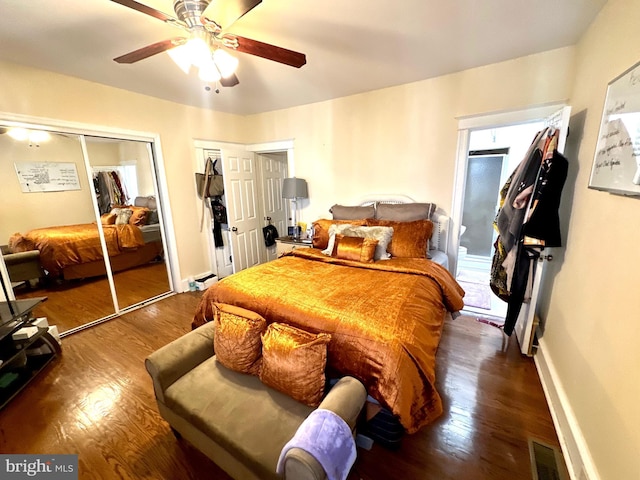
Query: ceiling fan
{"x": 205, "y": 45}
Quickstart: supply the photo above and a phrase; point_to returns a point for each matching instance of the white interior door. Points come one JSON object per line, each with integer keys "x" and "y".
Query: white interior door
{"x": 525, "y": 325}
{"x": 243, "y": 210}
{"x": 274, "y": 170}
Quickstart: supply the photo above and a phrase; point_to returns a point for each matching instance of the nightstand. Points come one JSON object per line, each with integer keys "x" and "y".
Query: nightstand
{"x": 287, "y": 244}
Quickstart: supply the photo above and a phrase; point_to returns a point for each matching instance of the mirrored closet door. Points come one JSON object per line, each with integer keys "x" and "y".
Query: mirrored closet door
{"x": 126, "y": 194}
{"x": 66, "y": 200}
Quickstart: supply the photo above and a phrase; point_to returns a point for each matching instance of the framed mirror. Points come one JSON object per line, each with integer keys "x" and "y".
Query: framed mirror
{"x": 60, "y": 192}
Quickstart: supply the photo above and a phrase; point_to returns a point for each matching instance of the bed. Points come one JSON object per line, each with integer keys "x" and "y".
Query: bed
{"x": 75, "y": 251}
{"x": 385, "y": 318}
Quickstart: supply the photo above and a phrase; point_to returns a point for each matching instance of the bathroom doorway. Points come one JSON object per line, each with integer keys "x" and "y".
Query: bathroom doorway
{"x": 492, "y": 155}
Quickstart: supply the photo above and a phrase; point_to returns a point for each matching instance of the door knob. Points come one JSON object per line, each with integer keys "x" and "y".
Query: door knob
{"x": 234, "y": 229}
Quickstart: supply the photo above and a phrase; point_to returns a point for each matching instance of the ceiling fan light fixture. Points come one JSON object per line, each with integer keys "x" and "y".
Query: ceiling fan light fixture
{"x": 181, "y": 57}
{"x": 33, "y": 136}
{"x": 20, "y": 134}
{"x": 198, "y": 51}
{"x": 226, "y": 63}
{"x": 39, "y": 136}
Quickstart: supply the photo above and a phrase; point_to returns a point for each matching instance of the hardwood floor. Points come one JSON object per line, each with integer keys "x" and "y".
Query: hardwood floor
{"x": 97, "y": 401}
{"x": 76, "y": 302}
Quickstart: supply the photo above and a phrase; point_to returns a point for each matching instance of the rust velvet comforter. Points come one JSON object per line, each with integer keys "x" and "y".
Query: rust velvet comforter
{"x": 385, "y": 319}
{"x": 68, "y": 245}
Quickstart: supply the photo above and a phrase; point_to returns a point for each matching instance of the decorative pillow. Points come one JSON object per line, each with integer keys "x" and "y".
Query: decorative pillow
{"x": 122, "y": 215}
{"x": 382, "y": 234}
{"x": 293, "y": 362}
{"x": 18, "y": 244}
{"x": 354, "y": 248}
{"x": 321, "y": 230}
{"x": 108, "y": 218}
{"x": 139, "y": 215}
{"x": 410, "y": 239}
{"x": 152, "y": 218}
{"x": 405, "y": 212}
{"x": 237, "y": 342}
{"x": 341, "y": 212}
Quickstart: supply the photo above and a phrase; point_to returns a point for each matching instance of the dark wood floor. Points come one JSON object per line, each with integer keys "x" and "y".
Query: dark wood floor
{"x": 75, "y": 302}
{"x": 97, "y": 401}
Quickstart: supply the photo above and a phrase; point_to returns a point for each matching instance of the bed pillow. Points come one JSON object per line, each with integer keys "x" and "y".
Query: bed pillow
{"x": 123, "y": 215}
{"x": 139, "y": 216}
{"x": 108, "y": 218}
{"x": 321, "y": 230}
{"x": 148, "y": 202}
{"x": 237, "y": 343}
{"x": 354, "y": 248}
{"x": 405, "y": 212}
{"x": 340, "y": 212}
{"x": 19, "y": 243}
{"x": 293, "y": 362}
{"x": 152, "y": 218}
{"x": 382, "y": 234}
{"x": 410, "y": 239}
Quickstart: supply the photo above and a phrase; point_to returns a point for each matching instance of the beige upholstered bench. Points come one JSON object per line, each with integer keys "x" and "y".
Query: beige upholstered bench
{"x": 22, "y": 266}
{"x": 233, "y": 418}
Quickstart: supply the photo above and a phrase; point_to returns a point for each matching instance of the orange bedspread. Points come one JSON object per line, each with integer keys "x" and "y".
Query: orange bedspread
{"x": 68, "y": 245}
{"x": 385, "y": 319}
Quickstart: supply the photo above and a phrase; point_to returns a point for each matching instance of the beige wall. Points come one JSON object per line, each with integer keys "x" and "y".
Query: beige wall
{"x": 24, "y": 211}
{"x": 593, "y": 325}
{"x": 28, "y": 91}
{"x": 403, "y": 139}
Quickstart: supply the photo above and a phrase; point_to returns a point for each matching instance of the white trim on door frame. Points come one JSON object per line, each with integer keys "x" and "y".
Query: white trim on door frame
{"x": 480, "y": 122}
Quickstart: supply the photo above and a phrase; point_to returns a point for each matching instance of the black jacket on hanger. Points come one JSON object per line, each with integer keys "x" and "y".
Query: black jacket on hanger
{"x": 543, "y": 224}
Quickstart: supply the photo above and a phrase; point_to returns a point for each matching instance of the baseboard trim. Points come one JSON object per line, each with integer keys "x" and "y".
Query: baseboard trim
{"x": 574, "y": 447}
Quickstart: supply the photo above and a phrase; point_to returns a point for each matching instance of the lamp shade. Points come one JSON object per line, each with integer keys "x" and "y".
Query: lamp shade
{"x": 294, "y": 188}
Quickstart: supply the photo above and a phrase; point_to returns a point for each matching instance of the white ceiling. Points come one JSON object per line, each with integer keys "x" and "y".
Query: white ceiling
{"x": 352, "y": 46}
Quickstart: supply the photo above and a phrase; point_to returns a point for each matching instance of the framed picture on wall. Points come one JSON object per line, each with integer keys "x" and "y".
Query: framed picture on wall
{"x": 616, "y": 164}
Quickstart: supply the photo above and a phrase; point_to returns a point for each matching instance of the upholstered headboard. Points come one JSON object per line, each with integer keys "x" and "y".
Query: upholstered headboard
{"x": 440, "y": 237}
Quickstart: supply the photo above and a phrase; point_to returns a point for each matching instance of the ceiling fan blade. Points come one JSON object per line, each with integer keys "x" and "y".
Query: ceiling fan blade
{"x": 149, "y": 11}
{"x": 231, "y": 81}
{"x": 225, "y": 12}
{"x": 150, "y": 50}
{"x": 265, "y": 50}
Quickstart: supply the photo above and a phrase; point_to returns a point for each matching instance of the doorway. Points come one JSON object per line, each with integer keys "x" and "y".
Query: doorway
{"x": 253, "y": 178}
{"x": 492, "y": 155}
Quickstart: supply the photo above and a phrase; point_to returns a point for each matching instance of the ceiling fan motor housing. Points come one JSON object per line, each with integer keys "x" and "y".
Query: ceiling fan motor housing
{"x": 190, "y": 11}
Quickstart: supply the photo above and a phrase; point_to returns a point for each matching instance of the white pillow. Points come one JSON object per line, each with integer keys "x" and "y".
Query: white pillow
{"x": 122, "y": 215}
{"x": 382, "y": 234}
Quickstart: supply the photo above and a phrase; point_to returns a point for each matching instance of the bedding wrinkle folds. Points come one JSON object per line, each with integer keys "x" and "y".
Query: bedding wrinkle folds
{"x": 68, "y": 245}
{"x": 385, "y": 319}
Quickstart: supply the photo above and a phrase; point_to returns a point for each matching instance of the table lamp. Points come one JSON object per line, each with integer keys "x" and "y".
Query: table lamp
{"x": 293, "y": 189}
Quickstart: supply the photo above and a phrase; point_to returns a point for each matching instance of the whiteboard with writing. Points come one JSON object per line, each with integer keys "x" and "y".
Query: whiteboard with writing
{"x": 47, "y": 176}
{"x": 616, "y": 165}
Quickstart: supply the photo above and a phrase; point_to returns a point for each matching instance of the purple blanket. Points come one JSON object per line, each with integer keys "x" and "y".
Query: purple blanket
{"x": 328, "y": 438}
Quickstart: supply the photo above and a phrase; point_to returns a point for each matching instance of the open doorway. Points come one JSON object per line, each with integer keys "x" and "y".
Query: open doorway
{"x": 492, "y": 155}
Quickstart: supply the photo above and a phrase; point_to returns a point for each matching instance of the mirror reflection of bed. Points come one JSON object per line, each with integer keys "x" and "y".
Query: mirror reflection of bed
{"x": 73, "y": 273}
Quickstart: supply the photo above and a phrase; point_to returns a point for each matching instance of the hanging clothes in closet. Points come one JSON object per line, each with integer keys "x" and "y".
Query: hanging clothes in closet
{"x": 110, "y": 190}
{"x": 527, "y": 221}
